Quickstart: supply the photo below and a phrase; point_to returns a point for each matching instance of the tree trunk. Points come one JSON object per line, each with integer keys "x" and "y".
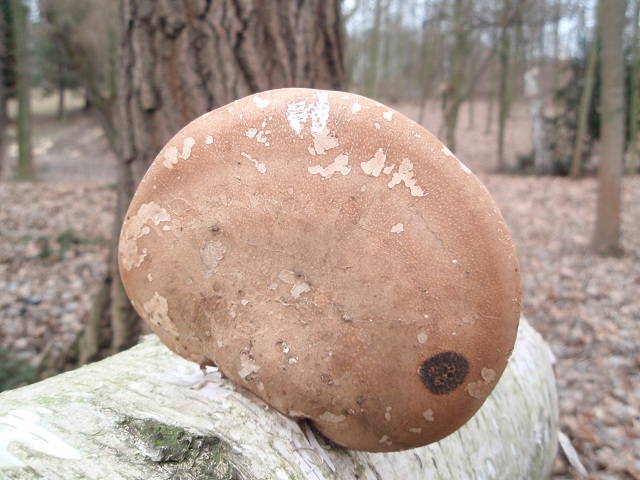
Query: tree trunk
{"x": 634, "y": 86}
{"x": 371, "y": 78}
{"x": 453, "y": 92}
{"x": 585, "y": 105}
{"x": 147, "y": 413}
{"x": 541, "y": 155}
{"x": 3, "y": 91}
{"x": 503, "y": 89}
{"x": 25, "y": 170}
{"x": 61, "y": 113}
{"x": 182, "y": 58}
{"x": 606, "y": 235}
{"x": 426, "y": 60}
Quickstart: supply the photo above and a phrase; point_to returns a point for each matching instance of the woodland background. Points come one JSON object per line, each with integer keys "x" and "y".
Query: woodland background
{"x": 564, "y": 173}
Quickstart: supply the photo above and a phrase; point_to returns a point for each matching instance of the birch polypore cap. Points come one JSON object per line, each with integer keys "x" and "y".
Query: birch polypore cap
{"x": 332, "y": 257}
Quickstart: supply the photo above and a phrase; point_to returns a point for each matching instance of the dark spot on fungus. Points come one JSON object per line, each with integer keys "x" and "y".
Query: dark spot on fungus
{"x": 443, "y": 373}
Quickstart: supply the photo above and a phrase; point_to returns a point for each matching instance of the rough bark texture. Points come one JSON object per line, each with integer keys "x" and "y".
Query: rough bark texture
{"x": 25, "y": 169}
{"x": 504, "y": 104}
{"x": 606, "y": 236}
{"x": 541, "y": 153}
{"x": 145, "y": 413}
{"x": 585, "y": 104}
{"x": 634, "y": 86}
{"x": 3, "y": 91}
{"x": 180, "y": 59}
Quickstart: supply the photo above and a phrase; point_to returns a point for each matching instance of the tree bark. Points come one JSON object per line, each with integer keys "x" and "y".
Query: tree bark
{"x": 585, "y": 104}
{"x": 25, "y": 170}
{"x": 3, "y": 90}
{"x": 503, "y": 92}
{"x": 182, "y": 58}
{"x": 371, "y": 79}
{"x": 541, "y": 154}
{"x": 147, "y": 413}
{"x": 606, "y": 237}
{"x": 634, "y": 95}
{"x": 453, "y": 93}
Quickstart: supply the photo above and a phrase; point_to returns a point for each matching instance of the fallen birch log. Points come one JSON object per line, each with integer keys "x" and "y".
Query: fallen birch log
{"x": 146, "y": 413}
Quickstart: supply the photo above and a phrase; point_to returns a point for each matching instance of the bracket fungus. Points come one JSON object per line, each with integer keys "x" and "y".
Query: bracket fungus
{"x": 332, "y": 257}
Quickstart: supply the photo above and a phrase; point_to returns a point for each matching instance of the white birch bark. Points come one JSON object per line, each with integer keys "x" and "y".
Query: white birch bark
{"x": 139, "y": 414}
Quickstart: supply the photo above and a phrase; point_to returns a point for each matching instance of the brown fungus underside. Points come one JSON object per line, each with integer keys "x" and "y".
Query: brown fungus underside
{"x": 331, "y": 256}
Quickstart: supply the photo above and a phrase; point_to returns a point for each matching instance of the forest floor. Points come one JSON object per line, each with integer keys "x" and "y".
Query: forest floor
{"x": 53, "y": 248}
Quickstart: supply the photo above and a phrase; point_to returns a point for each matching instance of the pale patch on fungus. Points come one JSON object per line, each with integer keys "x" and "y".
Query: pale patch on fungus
{"x": 259, "y": 135}
{"x": 476, "y": 389}
{"x": 339, "y": 165}
{"x": 428, "y": 415}
{"x": 377, "y": 125}
{"x": 299, "y": 112}
{"x": 388, "y": 115}
{"x": 387, "y": 414}
{"x": 297, "y": 115}
{"x": 262, "y": 137}
{"x": 211, "y": 253}
{"x": 405, "y": 174}
{"x": 248, "y": 367}
{"x": 356, "y": 107}
{"x": 261, "y": 167}
{"x": 157, "y": 313}
{"x": 422, "y": 338}
{"x": 187, "y": 145}
{"x": 385, "y": 439}
{"x": 415, "y": 430}
{"x": 375, "y": 165}
{"x": 208, "y": 140}
{"x": 136, "y": 227}
{"x": 287, "y": 276}
{"x": 261, "y": 102}
{"x": 332, "y": 418}
{"x": 488, "y": 374}
{"x": 387, "y": 170}
{"x": 299, "y": 288}
{"x": 323, "y": 141}
{"x": 285, "y": 347}
{"x": 481, "y": 388}
{"x": 398, "y": 228}
{"x": 171, "y": 156}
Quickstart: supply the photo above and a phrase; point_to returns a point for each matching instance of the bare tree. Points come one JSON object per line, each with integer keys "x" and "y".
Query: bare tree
{"x": 371, "y": 78}
{"x": 606, "y": 235}
{"x": 634, "y": 86}
{"x": 182, "y": 58}
{"x": 585, "y": 105}
{"x": 19, "y": 13}
{"x": 3, "y": 90}
{"x": 85, "y": 34}
{"x": 541, "y": 154}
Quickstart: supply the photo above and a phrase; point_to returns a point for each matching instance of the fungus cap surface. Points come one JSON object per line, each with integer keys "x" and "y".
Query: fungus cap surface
{"x": 331, "y": 256}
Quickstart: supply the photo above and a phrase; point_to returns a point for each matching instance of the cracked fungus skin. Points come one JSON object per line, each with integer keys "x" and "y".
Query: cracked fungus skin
{"x": 331, "y": 256}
